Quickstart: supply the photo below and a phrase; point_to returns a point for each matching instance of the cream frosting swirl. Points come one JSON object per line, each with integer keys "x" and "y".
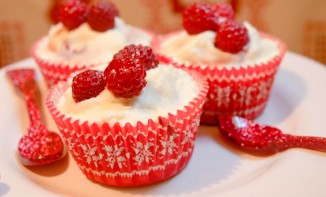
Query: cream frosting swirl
{"x": 199, "y": 49}
{"x": 168, "y": 89}
{"x": 84, "y": 46}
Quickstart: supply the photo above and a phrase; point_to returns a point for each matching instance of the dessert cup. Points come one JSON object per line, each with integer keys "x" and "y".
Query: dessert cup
{"x": 128, "y": 154}
{"x": 242, "y": 89}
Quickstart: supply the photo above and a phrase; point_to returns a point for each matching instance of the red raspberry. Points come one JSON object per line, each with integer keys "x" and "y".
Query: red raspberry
{"x": 148, "y": 57}
{"x": 101, "y": 15}
{"x": 54, "y": 12}
{"x": 224, "y": 10}
{"x": 88, "y": 84}
{"x": 199, "y": 17}
{"x": 144, "y": 54}
{"x": 72, "y": 13}
{"x": 125, "y": 74}
{"x": 86, "y": 1}
{"x": 231, "y": 36}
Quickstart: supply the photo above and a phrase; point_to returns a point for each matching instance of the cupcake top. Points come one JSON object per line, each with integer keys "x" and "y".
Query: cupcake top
{"x": 221, "y": 42}
{"x": 164, "y": 89}
{"x": 92, "y": 41}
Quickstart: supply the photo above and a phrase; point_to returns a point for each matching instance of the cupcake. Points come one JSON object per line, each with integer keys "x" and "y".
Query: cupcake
{"x": 133, "y": 124}
{"x": 239, "y": 62}
{"x": 86, "y": 36}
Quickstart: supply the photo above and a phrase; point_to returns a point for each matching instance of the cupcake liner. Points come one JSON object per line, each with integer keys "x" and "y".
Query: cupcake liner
{"x": 54, "y": 72}
{"x": 131, "y": 155}
{"x": 242, "y": 90}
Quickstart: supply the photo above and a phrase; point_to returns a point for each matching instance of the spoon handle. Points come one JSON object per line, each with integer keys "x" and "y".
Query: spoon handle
{"x": 34, "y": 113}
{"x": 309, "y": 142}
{"x": 24, "y": 80}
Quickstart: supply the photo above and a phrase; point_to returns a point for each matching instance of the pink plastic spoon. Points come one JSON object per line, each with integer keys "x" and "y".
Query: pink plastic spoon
{"x": 39, "y": 146}
{"x": 260, "y": 138}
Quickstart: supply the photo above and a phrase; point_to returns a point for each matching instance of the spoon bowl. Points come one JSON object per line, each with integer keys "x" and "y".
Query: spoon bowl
{"x": 39, "y": 146}
{"x": 259, "y": 138}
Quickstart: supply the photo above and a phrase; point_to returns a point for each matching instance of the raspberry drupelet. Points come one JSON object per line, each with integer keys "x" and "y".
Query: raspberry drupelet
{"x": 88, "y": 84}
{"x": 144, "y": 54}
{"x": 72, "y": 13}
{"x": 198, "y": 17}
{"x": 223, "y": 10}
{"x": 101, "y": 15}
{"x": 231, "y": 36}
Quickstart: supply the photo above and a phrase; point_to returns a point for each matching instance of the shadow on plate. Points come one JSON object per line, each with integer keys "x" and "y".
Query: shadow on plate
{"x": 49, "y": 170}
{"x": 212, "y": 166}
{"x": 288, "y": 91}
{"x": 4, "y": 188}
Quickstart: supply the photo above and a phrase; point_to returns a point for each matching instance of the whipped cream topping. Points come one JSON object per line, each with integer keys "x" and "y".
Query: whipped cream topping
{"x": 168, "y": 89}
{"x": 84, "y": 46}
{"x": 199, "y": 49}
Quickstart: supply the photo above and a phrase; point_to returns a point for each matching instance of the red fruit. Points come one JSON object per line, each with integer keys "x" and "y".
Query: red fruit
{"x": 54, "y": 12}
{"x": 144, "y": 54}
{"x": 126, "y": 74}
{"x": 148, "y": 57}
{"x": 101, "y": 15}
{"x": 72, "y": 13}
{"x": 86, "y": 1}
{"x": 231, "y": 36}
{"x": 199, "y": 17}
{"x": 224, "y": 10}
{"x": 88, "y": 84}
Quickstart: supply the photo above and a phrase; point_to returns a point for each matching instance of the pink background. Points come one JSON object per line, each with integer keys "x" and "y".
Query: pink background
{"x": 300, "y": 23}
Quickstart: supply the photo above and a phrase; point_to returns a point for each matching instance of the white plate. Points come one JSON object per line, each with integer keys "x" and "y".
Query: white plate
{"x": 297, "y": 105}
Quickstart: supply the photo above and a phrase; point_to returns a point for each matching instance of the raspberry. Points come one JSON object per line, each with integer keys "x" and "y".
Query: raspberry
{"x": 72, "y": 13}
{"x": 86, "y": 1}
{"x": 199, "y": 17}
{"x": 54, "y": 13}
{"x": 125, "y": 74}
{"x": 88, "y": 84}
{"x": 231, "y": 36}
{"x": 224, "y": 10}
{"x": 148, "y": 57}
{"x": 144, "y": 54}
{"x": 101, "y": 15}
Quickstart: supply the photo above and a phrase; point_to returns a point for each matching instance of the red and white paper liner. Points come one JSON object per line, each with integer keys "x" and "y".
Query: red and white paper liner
{"x": 131, "y": 155}
{"x": 242, "y": 90}
{"x": 54, "y": 72}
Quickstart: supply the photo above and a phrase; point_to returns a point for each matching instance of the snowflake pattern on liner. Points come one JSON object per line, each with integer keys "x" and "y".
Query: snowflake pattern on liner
{"x": 143, "y": 153}
{"x": 114, "y": 155}
{"x": 89, "y": 154}
{"x": 121, "y": 154}
{"x": 246, "y": 97}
